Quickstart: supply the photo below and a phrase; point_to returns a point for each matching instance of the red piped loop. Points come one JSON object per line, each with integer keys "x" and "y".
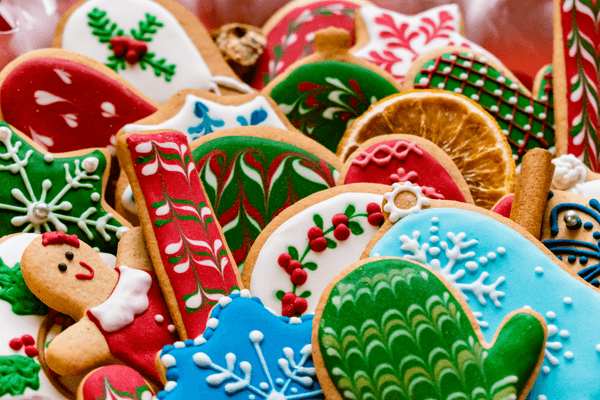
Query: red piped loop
{"x": 85, "y": 277}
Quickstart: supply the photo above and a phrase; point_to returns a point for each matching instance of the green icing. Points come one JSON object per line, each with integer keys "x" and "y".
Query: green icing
{"x": 250, "y": 180}
{"x": 18, "y": 373}
{"x": 43, "y": 194}
{"x": 527, "y": 123}
{"x": 14, "y": 291}
{"x": 321, "y": 99}
{"x": 546, "y": 89}
{"x": 391, "y": 330}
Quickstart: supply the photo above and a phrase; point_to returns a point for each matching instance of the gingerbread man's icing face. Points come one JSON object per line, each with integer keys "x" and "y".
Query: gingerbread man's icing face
{"x": 67, "y": 274}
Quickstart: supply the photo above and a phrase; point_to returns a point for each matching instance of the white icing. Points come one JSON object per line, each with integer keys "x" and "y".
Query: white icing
{"x": 397, "y": 213}
{"x": 268, "y": 277}
{"x": 127, "y": 200}
{"x": 570, "y": 174}
{"x": 420, "y": 44}
{"x": 129, "y": 298}
{"x": 170, "y": 42}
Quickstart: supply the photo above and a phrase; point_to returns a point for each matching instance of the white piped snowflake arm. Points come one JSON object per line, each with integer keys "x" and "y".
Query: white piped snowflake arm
{"x": 419, "y": 253}
{"x": 480, "y": 289}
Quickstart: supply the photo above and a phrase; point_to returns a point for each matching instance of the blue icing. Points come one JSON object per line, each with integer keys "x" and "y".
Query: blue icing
{"x": 250, "y": 354}
{"x": 499, "y": 271}
{"x": 206, "y": 122}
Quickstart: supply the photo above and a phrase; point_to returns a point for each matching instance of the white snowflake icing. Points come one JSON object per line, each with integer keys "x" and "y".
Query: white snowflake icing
{"x": 457, "y": 264}
{"x": 269, "y": 390}
{"x": 554, "y": 347}
{"x": 37, "y": 212}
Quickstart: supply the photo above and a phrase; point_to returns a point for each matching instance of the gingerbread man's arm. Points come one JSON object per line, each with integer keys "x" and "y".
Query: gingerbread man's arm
{"x": 78, "y": 349}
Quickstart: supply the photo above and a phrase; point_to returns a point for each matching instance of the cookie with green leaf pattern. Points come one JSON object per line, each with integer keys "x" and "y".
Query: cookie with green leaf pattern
{"x": 389, "y": 328}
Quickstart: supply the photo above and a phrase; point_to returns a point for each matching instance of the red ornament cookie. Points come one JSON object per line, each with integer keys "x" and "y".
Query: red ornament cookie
{"x": 114, "y": 382}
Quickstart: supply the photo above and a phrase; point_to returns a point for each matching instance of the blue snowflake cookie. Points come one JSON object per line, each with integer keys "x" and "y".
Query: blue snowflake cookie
{"x": 245, "y": 353}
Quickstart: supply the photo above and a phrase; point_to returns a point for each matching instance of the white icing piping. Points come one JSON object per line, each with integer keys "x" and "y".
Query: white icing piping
{"x": 229, "y": 83}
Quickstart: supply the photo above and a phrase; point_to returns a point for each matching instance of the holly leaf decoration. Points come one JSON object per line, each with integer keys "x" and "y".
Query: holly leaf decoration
{"x": 331, "y": 244}
{"x": 350, "y": 210}
{"x": 355, "y": 228}
{"x": 306, "y": 294}
{"x": 18, "y": 373}
{"x": 279, "y": 295}
{"x": 318, "y": 221}
{"x": 14, "y": 291}
{"x": 293, "y": 252}
{"x": 310, "y": 265}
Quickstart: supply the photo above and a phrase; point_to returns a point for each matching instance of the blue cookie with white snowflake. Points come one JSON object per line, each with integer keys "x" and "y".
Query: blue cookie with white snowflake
{"x": 245, "y": 353}
{"x": 498, "y": 270}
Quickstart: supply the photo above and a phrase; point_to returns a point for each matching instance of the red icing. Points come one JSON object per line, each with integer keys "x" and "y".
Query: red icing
{"x": 138, "y": 343}
{"x": 37, "y": 99}
{"x": 503, "y": 206}
{"x": 129, "y": 48}
{"x": 122, "y": 379}
{"x": 311, "y": 18}
{"x": 85, "y": 277}
{"x": 31, "y": 351}
{"x": 27, "y": 340}
{"x": 60, "y": 238}
{"x": 186, "y": 235}
{"x": 399, "y": 161}
{"x": 15, "y": 344}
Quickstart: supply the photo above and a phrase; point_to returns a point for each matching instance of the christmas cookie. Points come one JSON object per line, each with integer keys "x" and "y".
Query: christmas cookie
{"x": 245, "y": 352}
{"x": 44, "y": 192}
{"x": 573, "y": 176}
{"x": 388, "y": 328}
{"x": 253, "y": 174}
{"x": 66, "y": 102}
{"x": 323, "y": 93}
{"x": 156, "y": 45}
{"x": 121, "y": 314}
{"x": 393, "y": 41}
{"x": 498, "y": 267}
{"x": 290, "y": 33}
{"x": 526, "y": 120}
{"x": 399, "y": 158}
{"x": 310, "y": 243}
{"x": 114, "y": 382}
{"x": 576, "y": 85}
{"x": 185, "y": 241}
{"x": 456, "y": 124}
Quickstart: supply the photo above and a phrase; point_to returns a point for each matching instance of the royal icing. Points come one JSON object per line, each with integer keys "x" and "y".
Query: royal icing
{"x": 199, "y": 117}
{"x": 401, "y": 161}
{"x": 409, "y": 337}
{"x": 239, "y": 357}
{"x": 171, "y": 63}
{"x": 191, "y": 248}
{"x": 321, "y": 99}
{"x": 578, "y": 22}
{"x": 292, "y": 38}
{"x": 526, "y": 122}
{"x": 396, "y": 40}
{"x": 570, "y": 174}
{"x": 498, "y": 271}
{"x": 66, "y": 106}
{"x": 250, "y": 180}
{"x": 115, "y": 382}
{"x": 43, "y": 194}
{"x": 290, "y": 267}
{"x": 128, "y": 299}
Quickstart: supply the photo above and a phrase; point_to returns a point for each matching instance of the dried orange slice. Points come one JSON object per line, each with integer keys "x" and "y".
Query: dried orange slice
{"x": 459, "y": 126}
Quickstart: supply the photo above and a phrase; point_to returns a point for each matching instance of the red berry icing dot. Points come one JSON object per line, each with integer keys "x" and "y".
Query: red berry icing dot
{"x": 375, "y": 219}
{"x": 288, "y": 299}
{"x": 314, "y": 233}
{"x": 319, "y": 244}
{"x": 299, "y": 277}
{"x": 300, "y": 305}
{"x": 28, "y": 340}
{"x": 15, "y": 344}
{"x": 341, "y": 232}
{"x": 339, "y": 219}
{"x": 284, "y": 260}
{"x": 294, "y": 265}
{"x": 287, "y": 305}
{"x": 31, "y": 351}
{"x": 373, "y": 208}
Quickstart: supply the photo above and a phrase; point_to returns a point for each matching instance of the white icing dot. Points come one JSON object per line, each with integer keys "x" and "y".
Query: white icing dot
{"x": 569, "y": 355}
{"x": 471, "y": 265}
{"x": 542, "y": 115}
{"x": 568, "y": 301}
{"x": 434, "y": 251}
{"x": 470, "y": 55}
{"x": 256, "y": 336}
{"x": 171, "y": 328}
{"x": 474, "y": 97}
{"x": 251, "y": 397}
{"x": 423, "y": 81}
{"x": 544, "y": 98}
{"x": 264, "y": 385}
{"x": 491, "y": 256}
{"x": 527, "y": 307}
{"x": 483, "y": 70}
{"x": 452, "y": 57}
{"x": 168, "y": 360}
{"x": 431, "y": 67}
{"x": 179, "y": 345}
{"x": 48, "y": 158}
{"x": 501, "y": 250}
{"x": 541, "y": 396}
{"x": 463, "y": 75}
{"x": 279, "y": 381}
{"x": 512, "y": 100}
{"x": 508, "y": 117}
{"x": 529, "y": 109}
{"x": 494, "y": 108}
{"x": 539, "y": 270}
{"x": 550, "y": 315}
{"x": 483, "y": 59}
{"x": 245, "y": 294}
{"x": 441, "y": 85}
{"x": 501, "y": 79}
{"x": 224, "y": 301}
{"x": 159, "y": 319}
{"x": 520, "y": 142}
{"x": 546, "y": 370}
{"x": 479, "y": 82}
{"x": 295, "y": 321}
{"x": 498, "y": 92}
{"x": 483, "y": 260}
{"x": 170, "y": 386}
{"x": 467, "y": 64}
{"x": 514, "y": 86}
{"x": 434, "y": 239}
{"x": 199, "y": 340}
{"x": 515, "y": 157}
{"x": 458, "y": 90}
{"x": 539, "y": 134}
{"x": 90, "y": 164}
{"x": 447, "y": 70}
{"x": 96, "y": 248}
{"x": 527, "y": 127}
{"x": 212, "y": 323}
{"x": 564, "y": 333}
{"x": 121, "y": 231}
{"x": 598, "y": 348}
{"x": 435, "y": 220}
{"x": 374, "y": 255}
{"x": 294, "y": 390}
{"x": 433, "y": 229}
{"x": 95, "y": 196}
{"x": 505, "y": 132}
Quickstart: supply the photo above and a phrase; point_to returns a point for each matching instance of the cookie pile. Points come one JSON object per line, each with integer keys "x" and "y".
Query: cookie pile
{"x": 381, "y": 211}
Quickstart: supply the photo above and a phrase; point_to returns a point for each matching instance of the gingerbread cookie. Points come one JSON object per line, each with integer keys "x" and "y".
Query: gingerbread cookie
{"x": 388, "y": 328}
{"x": 393, "y": 41}
{"x": 56, "y": 192}
{"x": 120, "y": 313}
{"x": 156, "y": 45}
{"x": 245, "y": 351}
{"x": 526, "y": 120}
{"x": 498, "y": 267}
{"x": 185, "y": 241}
{"x": 456, "y": 124}
{"x": 290, "y": 33}
{"x": 311, "y": 242}
{"x": 66, "y": 102}
{"x": 323, "y": 93}
{"x": 576, "y": 86}
{"x": 399, "y": 158}
{"x": 114, "y": 382}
